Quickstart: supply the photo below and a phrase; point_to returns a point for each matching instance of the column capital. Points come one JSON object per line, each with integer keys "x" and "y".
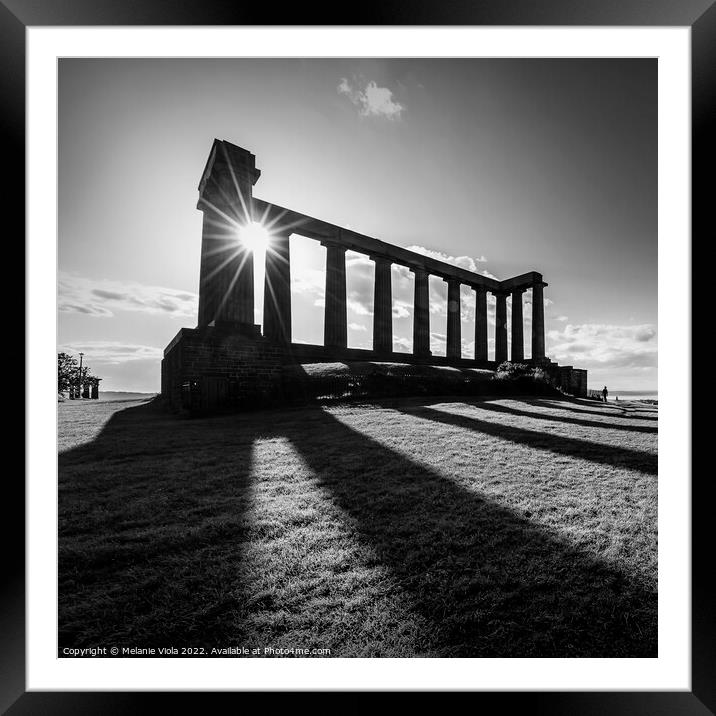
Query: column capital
{"x": 280, "y": 233}
{"x": 479, "y": 288}
{"x": 379, "y": 259}
{"x": 537, "y": 284}
{"x": 333, "y": 243}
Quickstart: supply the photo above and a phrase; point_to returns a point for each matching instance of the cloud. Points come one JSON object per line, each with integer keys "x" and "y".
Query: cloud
{"x": 360, "y": 273}
{"x": 359, "y": 283}
{"x": 88, "y": 310}
{"x": 357, "y": 327}
{"x": 438, "y": 341}
{"x": 309, "y": 281}
{"x": 401, "y": 343}
{"x": 562, "y": 319}
{"x": 371, "y": 100}
{"x": 102, "y": 298}
{"x": 468, "y": 263}
{"x": 111, "y": 352}
{"x": 595, "y": 346}
{"x": 109, "y": 295}
{"x": 645, "y": 333}
{"x": 437, "y": 296}
{"x": 355, "y": 258}
{"x": 359, "y": 308}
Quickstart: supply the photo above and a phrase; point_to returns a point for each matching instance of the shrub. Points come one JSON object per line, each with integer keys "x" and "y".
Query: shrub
{"x": 364, "y": 379}
{"x": 513, "y": 371}
{"x": 515, "y": 378}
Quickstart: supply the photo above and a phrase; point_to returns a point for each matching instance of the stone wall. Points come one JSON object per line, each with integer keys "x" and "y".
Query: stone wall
{"x": 211, "y": 369}
{"x": 572, "y": 381}
{"x": 215, "y": 369}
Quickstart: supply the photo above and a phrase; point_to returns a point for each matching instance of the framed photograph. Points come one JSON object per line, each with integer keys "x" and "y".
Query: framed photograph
{"x": 373, "y": 345}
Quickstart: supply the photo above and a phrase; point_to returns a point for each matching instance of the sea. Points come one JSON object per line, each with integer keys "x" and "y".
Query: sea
{"x": 633, "y": 394}
{"x": 114, "y": 395}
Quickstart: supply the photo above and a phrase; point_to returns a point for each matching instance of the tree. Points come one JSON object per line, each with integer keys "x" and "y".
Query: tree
{"x": 67, "y": 367}
{"x": 71, "y": 379}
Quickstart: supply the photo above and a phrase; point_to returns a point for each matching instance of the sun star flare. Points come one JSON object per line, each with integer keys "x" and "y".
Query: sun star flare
{"x": 254, "y": 236}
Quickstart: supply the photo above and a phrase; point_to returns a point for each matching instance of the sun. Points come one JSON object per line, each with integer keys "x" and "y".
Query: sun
{"x": 254, "y": 236}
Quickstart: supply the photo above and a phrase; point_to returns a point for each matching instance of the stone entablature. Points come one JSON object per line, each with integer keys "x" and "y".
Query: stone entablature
{"x": 337, "y": 241}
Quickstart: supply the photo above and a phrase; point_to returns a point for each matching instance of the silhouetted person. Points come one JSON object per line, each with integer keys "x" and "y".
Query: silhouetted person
{"x": 605, "y": 392}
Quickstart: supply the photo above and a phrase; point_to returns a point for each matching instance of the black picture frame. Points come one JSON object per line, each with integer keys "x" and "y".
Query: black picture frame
{"x": 699, "y": 15}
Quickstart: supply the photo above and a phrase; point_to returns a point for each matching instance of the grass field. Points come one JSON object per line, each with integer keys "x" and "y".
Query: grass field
{"x": 408, "y": 527}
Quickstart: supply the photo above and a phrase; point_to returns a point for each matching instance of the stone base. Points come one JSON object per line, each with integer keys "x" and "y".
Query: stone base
{"x": 217, "y": 368}
{"x": 250, "y": 330}
{"x": 572, "y": 381}
{"x": 232, "y": 367}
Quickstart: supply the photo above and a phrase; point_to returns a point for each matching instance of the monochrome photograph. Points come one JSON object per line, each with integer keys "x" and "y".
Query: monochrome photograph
{"x": 357, "y": 357}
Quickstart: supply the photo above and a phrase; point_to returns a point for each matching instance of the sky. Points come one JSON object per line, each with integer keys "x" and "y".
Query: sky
{"x": 500, "y": 166}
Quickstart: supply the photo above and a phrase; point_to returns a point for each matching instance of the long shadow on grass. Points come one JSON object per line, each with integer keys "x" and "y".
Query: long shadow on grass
{"x": 612, "y": 410}
{"x": 489, "y": 581}
{"x": 571, "y": 447}
{"x": 494, "y": 407}
{"x": 151, "y": 521}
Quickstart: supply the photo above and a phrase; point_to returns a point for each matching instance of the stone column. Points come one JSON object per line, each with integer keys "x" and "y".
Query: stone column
{"x": 454, "y": 347}
{"x": 277, "y": 290}
{"x": 480, "y": 323}
{"x": 500, "y": 327}
{"x": 335, "y": 332}
{"x": 226, "y": 280}
{"x": 421, "y": 314}
{"x": 518, "y": 339}
{"x": 538, "y": 321}
{"x": 207, "y": 269}
{"x": 382, "y": 307}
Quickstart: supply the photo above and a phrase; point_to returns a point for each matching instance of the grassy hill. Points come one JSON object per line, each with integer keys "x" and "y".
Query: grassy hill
{"x": 404, "y": 527}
